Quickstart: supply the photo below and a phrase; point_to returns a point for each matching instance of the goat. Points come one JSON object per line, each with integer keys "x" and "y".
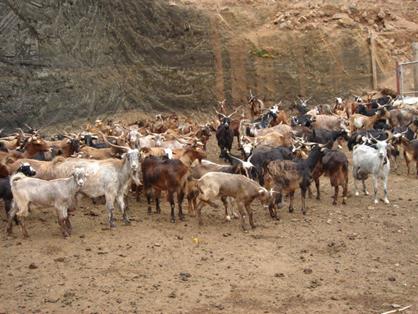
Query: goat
{"x": 262, "y": 155}
{"x": 333, "y": 164}
{"x": 410, "y": 152}
{"x": 360, "y": 137}
{"x": 168, "y": 175}
{"x": 324, "y": 136}
{"x": 256, "y": 106}
{"x": 59, "y": 193}
{"x": 34, "y": 148}
{"x": 197, "y": 171}
{"x": 108, "y": 177}
{"x": 368, "y": 160}
{"x": 244, "y": 190}
{"x": 286, "y": 176}
{"x": 359, "y": 121}
{"x": 224, "y": 137}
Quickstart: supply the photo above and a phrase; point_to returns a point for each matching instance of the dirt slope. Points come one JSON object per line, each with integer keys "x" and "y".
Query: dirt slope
{"x": 79, "y": 59}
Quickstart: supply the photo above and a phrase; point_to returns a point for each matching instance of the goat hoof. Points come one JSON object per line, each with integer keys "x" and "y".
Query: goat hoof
{"x": 127, "y": 221}
{"x": 228, "y": 218}
{"x": 386, "y": 201}
{"x": 357, "y": 193}
{"x": 366, "y": 192}
{"x": 376, "y": 201}
{"x": 334, "y": 203}
{"x": 291, "y": 210}
{"x": 182, "y": 218}
{"x": 112, "y": 224}
{"x": 173, "y": 220}
{"x": 303, "y": 212}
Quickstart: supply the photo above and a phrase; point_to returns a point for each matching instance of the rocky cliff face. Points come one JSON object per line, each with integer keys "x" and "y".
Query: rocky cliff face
{"x": 71, "y": 59}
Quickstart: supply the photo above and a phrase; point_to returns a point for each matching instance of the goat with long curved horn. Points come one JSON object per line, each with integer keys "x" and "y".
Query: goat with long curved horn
{"x": 126, "y": 148}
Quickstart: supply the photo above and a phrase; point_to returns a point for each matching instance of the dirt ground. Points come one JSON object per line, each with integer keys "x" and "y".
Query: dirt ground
{"x": 358, "y": 258}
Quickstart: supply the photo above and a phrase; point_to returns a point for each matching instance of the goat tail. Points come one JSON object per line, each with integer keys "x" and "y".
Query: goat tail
{"x": 16, "y": 177}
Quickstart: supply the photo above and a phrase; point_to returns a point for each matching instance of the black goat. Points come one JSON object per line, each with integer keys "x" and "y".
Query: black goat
{"x": 225, "y": 137}
{"x": 262, "y": 155}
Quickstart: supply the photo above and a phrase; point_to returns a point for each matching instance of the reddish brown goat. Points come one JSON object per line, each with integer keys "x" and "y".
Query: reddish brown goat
{"x": 33, "y": 146}
{"x": 333, "y": 164}
{"x": 168, "y": 175}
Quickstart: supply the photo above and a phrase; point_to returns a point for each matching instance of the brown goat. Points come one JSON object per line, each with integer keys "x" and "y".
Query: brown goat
{"x": 333, "y": 164}
{"x": 168, "y": 175}
{"x": 410, "y": 152}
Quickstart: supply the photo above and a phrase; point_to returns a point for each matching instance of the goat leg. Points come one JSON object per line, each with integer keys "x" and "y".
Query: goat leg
{"x": 385, "y": 189}
{"x": 199, "y": 212}
{"x": 180, "y": 197}
{"x": 68, "y": 225}
{"x": 62, "y": 223}
{"x": 250, "y": 215}
{"x": 7, "y": 207}
{"x": 23, "y": 227}
{"x": 303, "y": 194}
{"x": 364, "y": 187}
{"x": 345, "y": 189}
{"x": 157, "y": 202}
{"x": 11, "y": 217}
{"x": 242, "y": 216}
{"x": 291, "y": 197}
{"x": 318, "y": 193}
{"x": 120, "y": 200}
{"x": 171, "y": 200}
{"x": 225, "y": 202}
{"x": 149, "y": 196}
{"x": 336, "y": 188}
{"x": 375, "y": 189}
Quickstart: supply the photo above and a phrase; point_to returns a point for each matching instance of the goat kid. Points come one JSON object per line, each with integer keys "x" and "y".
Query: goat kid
{"x": 59, "y": 193}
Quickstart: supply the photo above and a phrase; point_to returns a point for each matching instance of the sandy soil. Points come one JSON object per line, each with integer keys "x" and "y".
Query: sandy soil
{"x": 358, "y": 258}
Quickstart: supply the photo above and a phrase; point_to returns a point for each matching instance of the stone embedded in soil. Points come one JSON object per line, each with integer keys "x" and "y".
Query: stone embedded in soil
{"x": 391, "y": 278}
{"x": 279, "y": 275}
{"x": 60, "y": 259}
{"x": 172, "y": 295}
{"x": 307, "y": 271}
{"x": 33, "y": 266}
{"x": 185, "y": 276}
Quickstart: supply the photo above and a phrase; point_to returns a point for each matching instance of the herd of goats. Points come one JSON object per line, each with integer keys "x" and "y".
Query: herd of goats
{"x": 277, "y": 155}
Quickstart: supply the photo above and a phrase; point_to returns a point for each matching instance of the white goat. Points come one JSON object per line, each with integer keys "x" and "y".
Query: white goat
{"x": 368, "y": 160}
{"x": 59, "y": 193}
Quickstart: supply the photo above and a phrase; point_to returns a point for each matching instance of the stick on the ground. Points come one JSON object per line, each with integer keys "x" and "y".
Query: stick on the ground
{"x": 397, "y": 310}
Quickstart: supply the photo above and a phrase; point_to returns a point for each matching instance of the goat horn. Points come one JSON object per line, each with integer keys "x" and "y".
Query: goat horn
{"x": 113, "y": 145}
{"x": 221, "y": 114}
{"x": 229, "y": 116}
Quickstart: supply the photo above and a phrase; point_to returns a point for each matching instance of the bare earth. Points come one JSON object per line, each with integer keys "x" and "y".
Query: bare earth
{"x": 358, "y": 258}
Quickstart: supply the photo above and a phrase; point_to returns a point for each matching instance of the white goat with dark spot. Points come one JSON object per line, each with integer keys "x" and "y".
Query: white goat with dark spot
{"x": 367, "y": 161}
